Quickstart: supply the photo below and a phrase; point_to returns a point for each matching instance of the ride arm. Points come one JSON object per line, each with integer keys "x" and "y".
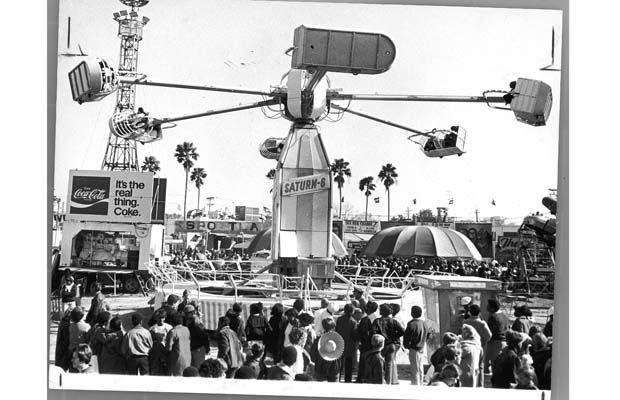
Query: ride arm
{"x": 220, "y": 111}
{"x": 334, "y": 95}
{"x": 144, "y": 82}
{"x": 383, "y": 121}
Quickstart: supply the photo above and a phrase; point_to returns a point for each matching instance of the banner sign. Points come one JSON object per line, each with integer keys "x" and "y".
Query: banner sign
{"x": 354, "y": 226}
{"x": 219, "y": 226}
{"x": 110, "y": 196}
{"x": 448, "y": 225}
{"x": 305, "y": 184}
{"x": 504, "y": 242}
{"x": 480, "y": 234}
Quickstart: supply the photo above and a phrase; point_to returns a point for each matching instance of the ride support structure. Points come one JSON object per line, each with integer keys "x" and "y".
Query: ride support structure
{"x": 122, "y": 154}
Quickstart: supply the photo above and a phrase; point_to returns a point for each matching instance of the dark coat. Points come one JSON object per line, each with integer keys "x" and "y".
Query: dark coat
{"x": 522, "y": 324}
{"x": 179, "y": 353}
{"x": 324, "y": 370}
{"x": 97, "y": 305}
{"x": 364, "y": 333}
{"x": 390, "y": 329}
{"x": 257, "y": 327}
{"x": 416, "y": 334}
{"x": 374, "y": 368}
{"x": 346, "y": 326}
{"x": 62, "y": 356}
{"x": 111, "y": 360}
{"x": 276, "y": 373}
{"x": 505, "y": 369}
{"x": 273, "y": 337}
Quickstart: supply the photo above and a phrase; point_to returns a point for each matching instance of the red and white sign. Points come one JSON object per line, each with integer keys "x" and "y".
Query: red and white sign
{"x": 110, "y": 196}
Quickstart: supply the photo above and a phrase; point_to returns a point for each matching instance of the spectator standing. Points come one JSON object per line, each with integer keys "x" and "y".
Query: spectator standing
{"x": 158, "y": 356}
{"x": 319, "y": 315}
{"x": 283, "y": 370}
{"x": 507, "y": 363}
{"x": 522, "y": 323}
{"x": 236, "y": 322}
{"x": 78, "y": 329}
{"x": 68, "y": 292}
{"x": 185, "y": 301}
{"x": 374, "y": 368}
{"x": 541, "y": 357}
{"x": 199, "y": 337}
{"x": 257, "y": 326}
{"x": 364, "y": 334}
{"x": 255, "y": 361}
{"x": 306, "y": 322}
{"x": 286, "y": 326}
{"x": 112, "y": 360}
{"x": 327, "y": 353}
{"x": 471, "y": 350}
{"x": 178, "y": 346}
{"x": 297, "y": 338}
{"x": 346, "y": 326}
{"x": 414, "y": 339}
{"x": 96, "y": 335}
{"x": 169, "y": 307}
{"x": 548, "y": 329}
{"x": 229, "y": 347}
{"x": 81, "y": 360}
{"x": 273, "y": 338}
{"x": 62, "y": 356}
{"x": 498, "y": 325}
{"x": 392, "y": 332}
{"x": 97, "y": 305}
{"x": 137, "y": 345}
{"x": 443, "y": 354}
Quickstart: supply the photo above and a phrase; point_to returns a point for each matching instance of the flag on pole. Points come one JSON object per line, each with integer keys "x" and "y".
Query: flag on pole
{"x": 451, "y": 201}
{"x": 493, "y": 201}
{"x": 414, "y": 201}
{"x": 376, "y": 199}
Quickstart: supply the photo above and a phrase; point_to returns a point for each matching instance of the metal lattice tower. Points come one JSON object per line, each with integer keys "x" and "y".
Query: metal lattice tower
{"x": 121, "y": 154}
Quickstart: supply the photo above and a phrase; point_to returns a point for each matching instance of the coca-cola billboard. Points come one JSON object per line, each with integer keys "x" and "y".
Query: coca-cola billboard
{"x": 112, "y": 196}
{"x": 90, "y": 195}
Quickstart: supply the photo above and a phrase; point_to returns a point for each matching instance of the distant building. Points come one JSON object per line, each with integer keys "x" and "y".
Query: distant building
{"x": 244, "y": 213}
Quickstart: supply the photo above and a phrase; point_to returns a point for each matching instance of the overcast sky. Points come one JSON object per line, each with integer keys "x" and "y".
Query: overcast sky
{"x": 235, "y": 43}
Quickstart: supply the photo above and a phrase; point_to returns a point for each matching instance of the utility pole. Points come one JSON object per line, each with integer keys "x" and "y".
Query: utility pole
{"x": 408, "y": 210}
{"x": 477, "y": 214}
{"x": 209, "y": 204}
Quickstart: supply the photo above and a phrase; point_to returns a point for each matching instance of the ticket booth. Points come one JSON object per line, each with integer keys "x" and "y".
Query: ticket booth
{"x": 442, "y": 296}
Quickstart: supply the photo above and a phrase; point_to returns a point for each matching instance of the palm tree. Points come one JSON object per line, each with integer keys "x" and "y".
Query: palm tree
{"x": 198, "y": 174}
{"x": 340, "y": 169}
{"x": 388, "y": 176}
{"x": 185, "y": 153}
{"x": 150, "y": 164}
{"x": 367, "y": 186}
{"x": 271, "y": 175}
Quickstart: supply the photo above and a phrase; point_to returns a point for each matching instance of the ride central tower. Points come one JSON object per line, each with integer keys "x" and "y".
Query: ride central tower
{"x": 122, "y": 154}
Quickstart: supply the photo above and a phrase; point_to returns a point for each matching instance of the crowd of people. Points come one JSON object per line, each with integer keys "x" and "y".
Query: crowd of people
{"x": 362, "y": 340}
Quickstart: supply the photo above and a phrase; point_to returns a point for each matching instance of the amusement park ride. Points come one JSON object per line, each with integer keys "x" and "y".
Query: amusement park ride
{"x": 302, "y": 194}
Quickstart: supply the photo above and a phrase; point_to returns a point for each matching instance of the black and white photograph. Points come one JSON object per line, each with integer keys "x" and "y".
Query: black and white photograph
{"x": 357, "y": 198}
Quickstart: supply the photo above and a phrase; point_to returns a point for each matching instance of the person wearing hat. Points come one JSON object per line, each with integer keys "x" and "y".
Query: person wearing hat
{"x": 507, "y": 363}
{"x": 498, "y": 325}
{"x": 392, "y": 331}
{"x": 178, "y": 346}
{"x": 414, "y": 339}
{"x": 374, "y": 363}
{"x": 229, "y": 347}
{"x": 68, "y": 291}
{"x": 326, "y": 353}
{"x": 283, "y": 370}
{"x": 199, "y": 337}
{"x": 522, "y": 323}
{"x": 346, "y": 326}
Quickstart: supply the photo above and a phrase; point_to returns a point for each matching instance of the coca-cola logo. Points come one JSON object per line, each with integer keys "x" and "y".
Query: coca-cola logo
{"x": 89, "y": 194}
